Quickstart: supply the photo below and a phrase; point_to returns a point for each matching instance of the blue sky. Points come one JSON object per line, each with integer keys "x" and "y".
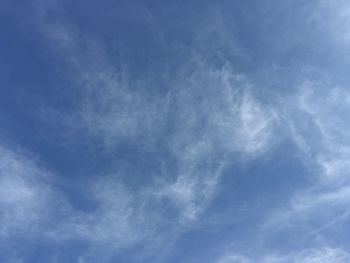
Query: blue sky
{"x": 174, "y": 131}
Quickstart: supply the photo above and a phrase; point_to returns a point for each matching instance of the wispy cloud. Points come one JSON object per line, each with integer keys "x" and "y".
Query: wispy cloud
{"x": 209, "y": 115}
{"x": 318, "y": 118}
{"x": 25, "y": 194}
{"x": 319, "y": 255}
{"x": 216, "y": 116}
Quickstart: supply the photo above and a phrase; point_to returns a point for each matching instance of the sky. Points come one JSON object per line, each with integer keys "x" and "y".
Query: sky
{"x": 135, "y": 131}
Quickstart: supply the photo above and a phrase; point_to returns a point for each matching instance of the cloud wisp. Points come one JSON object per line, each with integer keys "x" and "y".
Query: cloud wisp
{"x": 27, "y": 198}
{"x": 321, "y": 255}
{"x": 156, "y": 135}
{"x": 209, "y": 116}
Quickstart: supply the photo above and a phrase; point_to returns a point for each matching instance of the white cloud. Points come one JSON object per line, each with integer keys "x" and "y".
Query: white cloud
{"x": 314, "y": 255}
{"x": 318, "y": 118}
{"x": 117, "y": 219}
{"x": 221, "y": 104}
{"x": 233, "y": 258}
{"x": 323, "y": 255}
{"x": 31, "y": 207}
{"x": 334, "y": 17}
{"x": 212, "y": 115}
{"x": 112, "y": 112}
{"x": 209, "y": 114}
{"x": 257, "y": 125}
{"x": 216, "y": 116}
{"x": 24, "y": 194}
{"x": 326, "y": 109}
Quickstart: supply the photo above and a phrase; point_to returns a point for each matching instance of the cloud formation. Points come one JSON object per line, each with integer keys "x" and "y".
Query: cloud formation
{"x": 26, "y": 195}
{"x": 322, "y": 255}
{"x": 161, "y": 139}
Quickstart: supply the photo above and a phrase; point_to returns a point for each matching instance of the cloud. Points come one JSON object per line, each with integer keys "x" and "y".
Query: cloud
{"x": 216, "y": 117}
{"x": 323, "y": 255}
{"x": 233, "y": 258}
{"x": 33, "y": 207}
{"x": 25, "y": 195}
{"x": 231, "y": 115}
{"x": 111, "y": 221}
{"x": 112, "y": 112}
{"x": 209, "y": 116}
{"x": 335, "y": 18}
{"x": 119, "y": 218}
{"x": 319, "y": 255}
{"x": 328, "y": 112}
{"x": 318, "y": 121}
{"x": 319, "y": 128}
